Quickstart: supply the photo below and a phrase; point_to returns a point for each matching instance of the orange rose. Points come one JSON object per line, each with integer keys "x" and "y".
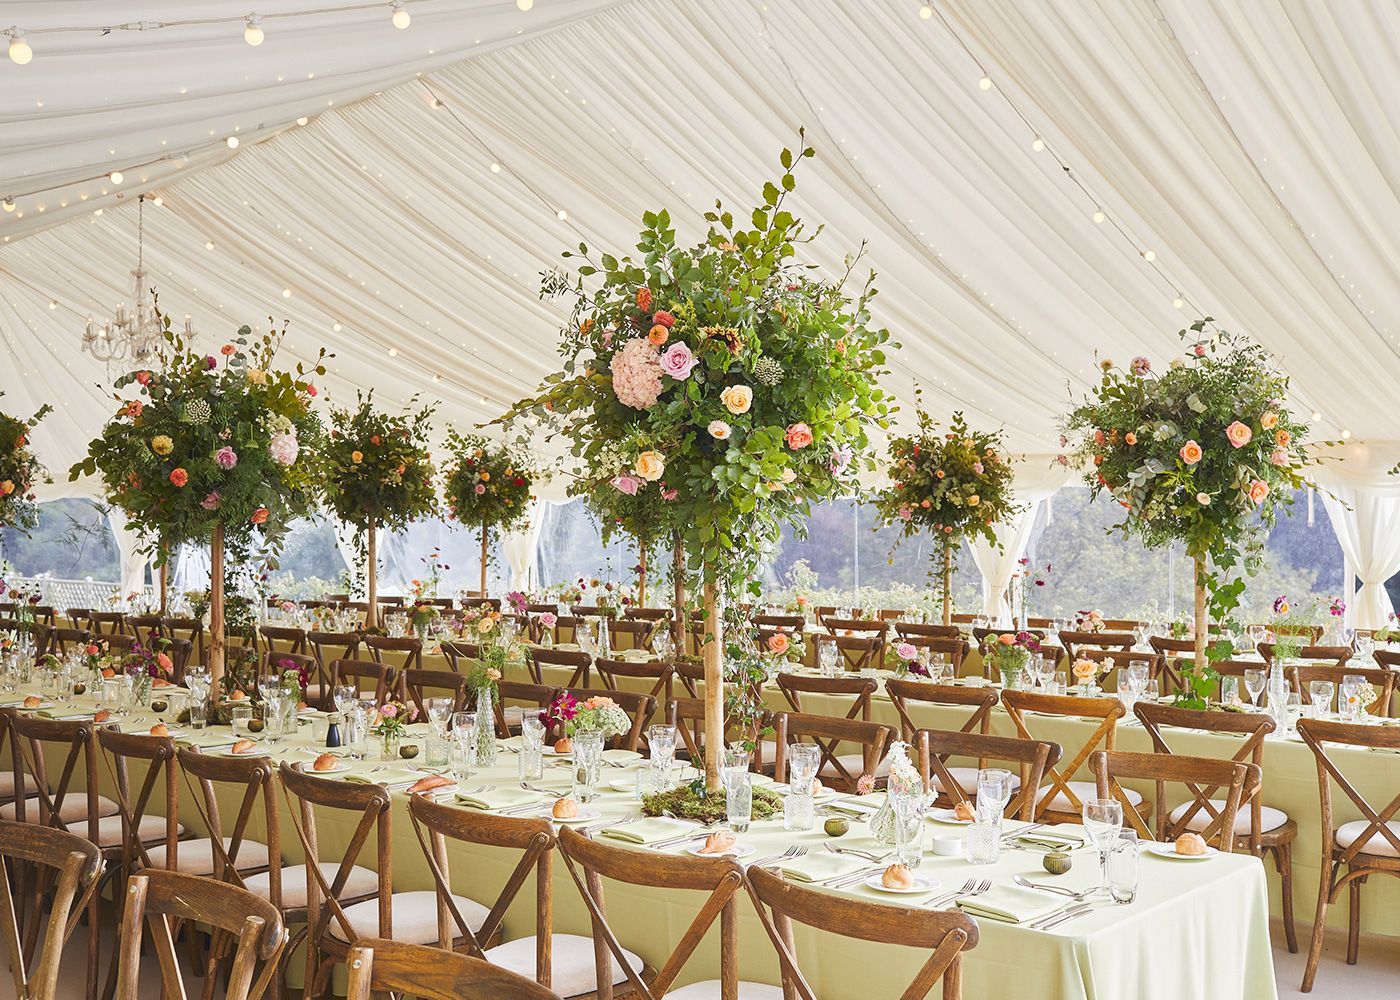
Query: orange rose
{"x": 357, "y": 457}
{"x": 259, "y": 516}
{"x": 1269, "y": 420}
{"x": 1130, "y": 438}
{"x": 1282, "y": 438}
{"x": 1006, "y": 640}
{"x": 6, "y": 488}
{"x": 179, "y": 477}
{"x": 1258, "y": 490}
{"x": 1190, "y": 453}
{"x": 1084, "y": 669}
{"x": 657, "y": 335}
{"x": 778, "y": 643}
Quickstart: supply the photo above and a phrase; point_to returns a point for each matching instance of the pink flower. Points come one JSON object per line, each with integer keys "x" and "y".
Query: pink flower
{"x": 678, "y": 362}
{"x": 977, "y": 467}
{"x": 669, "y": 495}
{"x": 1239, "y": 434}
{"x": 479, "y": 489}
{"x": 311, "y": 390}
{"x": 1140, "y": 366}
{"x": 210, "y": 362}
{"x": 1279, "y": 457}
{"x": 1190, "y": 453}
{"x": 1200, "y": 350}
{"x": 636, "y": 374}
{"x": 548, "y": 619}
{"x": 865, "y": 784}
{"x": 1258, "y": 490}
{"x": 144, "y": 378}
{"x": 284, "y": 448}
{"x": 211, "y": 502}
{"x": 626, "y": 483}
{"x": 226, "y": 457}
{"x": 840, "y": 459}
{"x": 905, "y": 513}
{"x": 799, "y": 436}
{"x": 906, "y": 651}
{"x": 388, "y": 711}
{"x": 663, "y": 318}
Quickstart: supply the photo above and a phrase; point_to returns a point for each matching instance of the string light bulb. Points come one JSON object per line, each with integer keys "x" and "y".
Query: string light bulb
{"x": 402, "y": 19}
{"x": 1178, "y": 302}
{"x": 495, "y": 168}
{"x": 336, "y": 327}
{"x": 1038, "y": 144}
{"x": 1149, "y": 256}
{"x": 393, "y": 352}
{"x": 20, "y": 52}
{"x": 8, "y": 204}
{"x": 985, "y": 83}
{"x": 286, "y": 293}
{"x": 252, "y": 30}
{"x": 53, "y": 303}
{"x": 563, "y": 215}
{"x": 1099, "y": 216}
{"x": 303, "y": 120}
{"x": 116, "y": 177}
{"x": 1345, "y": 433}
{"x": 1316, "y": 415}
{"x": 926, "y": 11}
{"x": 157, "y": 201}
{"x": 525, "y": 4}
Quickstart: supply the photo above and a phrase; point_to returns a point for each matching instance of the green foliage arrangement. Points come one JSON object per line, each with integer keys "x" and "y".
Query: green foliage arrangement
{"x": 726, "y": 376}
{"x": 954, "y": 484}
{"x": 691, "y": 801}
{"x": 488, "y": 485}
{"x": 1193, "y": 454}
{"x": 378, "y": 469}
{"x": 19, "y": 470}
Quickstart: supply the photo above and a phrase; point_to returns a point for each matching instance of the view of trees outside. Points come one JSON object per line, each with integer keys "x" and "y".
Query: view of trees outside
{"x": 844, "y": 557}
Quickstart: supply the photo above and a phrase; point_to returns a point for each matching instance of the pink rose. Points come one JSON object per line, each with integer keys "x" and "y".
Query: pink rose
{"x": 905, "y": 513}
{"x": 906, "y": 651}
{"x": 1239, "y": 434}
{"x": 226, "y": 457}
{"x": 678, "y": 362}
{"x": 388, "y": 711}
{"x": 284, "y": 448}
{"x": 211, "y": 502}
{"x": 1258, "y": 490}
{"x": 636, "y": 374}
{"x": 1140, "y": 366}
{"x": 626, "y": 483}
{"x": 669, "y": 495}
{"x": 799, "y": 436}
{"x": 977, "y": 467}
{"x": 1200, "y": 350}
{"x": 479, "y": 489}
{"x": 548, "y": 619}
{"x": 1279, "y": 457}
{"x": 840, "y": 458}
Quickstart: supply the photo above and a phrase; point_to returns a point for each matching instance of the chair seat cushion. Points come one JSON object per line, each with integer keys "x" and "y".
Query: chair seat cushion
{"x": 150, "y": 830}
{"x": 360, "y": 882}
{"x": 1083, "y": 790}
{"x": 513, "y": 714}
{"x": 7, "y": 783}
{"x": 966, "y": 777}
{"x": 854, "y": 763}
{"x": 1269, "y": 818}
{"x": 573, "y": 970}
{"x": 710, "y": 990}
{"x": 414, "y": 917}
{"x": 1377, "y": 844}
{"x": 196, "y": 857}
{"x": 74, "y": 808}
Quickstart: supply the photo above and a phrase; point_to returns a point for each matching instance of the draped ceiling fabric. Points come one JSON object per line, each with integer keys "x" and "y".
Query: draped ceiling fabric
{"x": 1251, "y": 147}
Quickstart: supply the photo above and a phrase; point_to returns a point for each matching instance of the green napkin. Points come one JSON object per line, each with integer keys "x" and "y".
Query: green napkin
{"x": 1051, "y": 841}
{"x": 391, "y": 777}
{"x": 859, "y": 807}
{"x": 498, "y": 798}
{"x": 636, "y": 655}
{"x": 649, "y": 831}
{"x": 208, "y": 739}
{"x": 621, "y": 756}
{"x": 818, "y": 866}
{"x": 1012, "y": 903}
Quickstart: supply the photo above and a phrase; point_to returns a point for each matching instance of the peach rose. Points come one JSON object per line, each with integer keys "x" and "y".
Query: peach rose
{"x": 799, "y": 436}
{"x": 1258, "y": 490}
{"x": 1239, "y": 434}
{"x": 1084, "y": 669}
{"x": 179, "y": 477}
{"x": 1282, "y": 438}
{"x": 719, "y": 430}
{"x": 737, "y": 399}
{"x": 1190, "y": 453}
{"x": 1279, "y": 457}
{"x": 657, "y": 335}
{"x": 357, "y": 457}
{"x": 778, "y": 643}
{"x": 651, "y": 466}
{"x": 1130, "y": 438}
{"x": 259, "y": 516}
{"x": 1269, "y": 420}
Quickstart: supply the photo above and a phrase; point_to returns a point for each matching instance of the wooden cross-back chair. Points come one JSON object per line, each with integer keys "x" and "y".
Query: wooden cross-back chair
{"x": 1309, "y": 633}
{"x": 841, "y": 771}
{"x": 944, "y": 934}
{"x": 636, "y": 632}
{"x": 416, "y": 686}
{"x": 1258, "y": 829}
{"x": 164, "y": 899}
{"x": 274, "y": 663}
{"x": 191, "y": 629}
{"x": 284, "y": 638}
{"x": 327, "y": 647}
{"x": 1062, "y": 800}
{"x": 1331, "y": 655}
{"x": 454, "y": 651}
{"x": 146, "y": 628}
{"x": 979, "y": 702}
{"x": 1383, "y": 679}
{"x": 333, "y": 922}
{"x": 410, "y": 647}
{"x": 783, "y": 623}
{"x": 357, "y": 672}
{"x": 691, "y": 674}
{"x": 859, "y": 689}
{"x": 72, "y": 864}
{"x": 1353, "y": 851}
{"x": 77, "y": 617}
{"x": 517, "y": 697}
{"x": 1172, "y": 652}
{"x": 639, "y": 707}
{"x": 386, "y": 968}
{"x": 871, "y": 632}
{"x": 648, "y": 614}
{"x": 60, "y": 640}
{"x": 688, "y": 716}
{"x": 563, "y": 962}
{"x": 923, "y": 630}
{"x": 660, "y": 675}
{"x": 823, "y": 613}
{"x": 107, "y": 622}
{"x": 577, "y": 662}
{"x": 1237, "y": 780}
{"x": 957, "y": 784}
{"x": 592, "y": 861}
{"x": 1072, "y": 641}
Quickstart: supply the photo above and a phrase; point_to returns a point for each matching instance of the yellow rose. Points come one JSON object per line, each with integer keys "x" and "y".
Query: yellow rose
{"x": 256, "y": 376}
{"x": 737, "y": 398}
{"x": 162, "y": 445}
{"x": 357, "y": 457}
{"x": 973, "y": 500}
{"x": 789, "y": 475}
{"x": 486, "y": 477}
{"x": 650, "y": 466}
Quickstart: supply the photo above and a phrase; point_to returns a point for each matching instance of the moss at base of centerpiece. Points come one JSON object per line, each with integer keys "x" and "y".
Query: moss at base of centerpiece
{"x": 692, "y": 802}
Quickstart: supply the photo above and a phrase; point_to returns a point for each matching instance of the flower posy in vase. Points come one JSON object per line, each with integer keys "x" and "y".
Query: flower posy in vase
{"x": 394, "y": 718}
{"x": 1204, "y": 453}
{"x": 1008, "y": 654}
{"x": 731, "y": 372}
{"x": 481, "y": 684}
{"x": 953, "y": 485}
{"x": 903, "y": 780}
{"x": 588, "y": 725}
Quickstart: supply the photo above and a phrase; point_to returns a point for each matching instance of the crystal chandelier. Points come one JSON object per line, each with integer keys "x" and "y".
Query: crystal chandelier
{"x": 134, "y": 335}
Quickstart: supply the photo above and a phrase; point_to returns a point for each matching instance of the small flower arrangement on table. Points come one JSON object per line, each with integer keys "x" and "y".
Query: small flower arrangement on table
{"x": 423, "y": 617}
{"x": 394, "y": 719}
{"x": 903, "y": 659}
{"x": 783, "y": 650}
{"x": 598, "y": 714}
{"x": 295, "y": 677}
{"x": 1088, "y": 672}
{"x": 1091, "y": 621}
{"x": 1009, "y": 653}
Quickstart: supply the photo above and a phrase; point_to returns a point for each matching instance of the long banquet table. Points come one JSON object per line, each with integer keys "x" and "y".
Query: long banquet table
{"x": 1196, "y": 929}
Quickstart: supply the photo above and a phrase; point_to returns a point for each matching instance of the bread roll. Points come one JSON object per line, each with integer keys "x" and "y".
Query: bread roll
{"x": 325, "y": 762}
{"x": 1190, "y": 845}
{"x": 565, "y": 808}
{"x": 429, "y": 783}
{"x": 718, "y": 842}
{"x": 102, "y": 716}
{"x": 33, "y": 701}
{"x": 236, "y": 695}
{"x": 243, "y": 746}
{"x": 963, "y": 810}
{"x": 565, "y": 745}
{"x": 897, "y": 877}
{"x": 159, "y": 729}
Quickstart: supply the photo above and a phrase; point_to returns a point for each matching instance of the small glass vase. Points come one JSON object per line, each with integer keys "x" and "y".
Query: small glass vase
{"x": 389, "y": 745}
{"x": 421, "y": 631}
{"x": 588, "y": 759}
{"x": 1011, "y": 678}
{"x": 141, "y": 690}
{"x": 884, "y": 822}
{"x": 486, "y": 747}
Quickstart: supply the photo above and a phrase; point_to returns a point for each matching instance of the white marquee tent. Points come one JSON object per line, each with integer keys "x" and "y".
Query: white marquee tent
{"x": 1038, "y": 180}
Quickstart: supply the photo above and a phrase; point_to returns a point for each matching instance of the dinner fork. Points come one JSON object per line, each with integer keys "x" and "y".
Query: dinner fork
{"x": 829, "y": 846}
{"x": 976, "y": 890}
{"x": 788, "y": 855}
{"x": 631, "y": 817}
{"x": 543, "y": 791}
{"x": 850, "y": 878}
{"x": 944, "y": 897}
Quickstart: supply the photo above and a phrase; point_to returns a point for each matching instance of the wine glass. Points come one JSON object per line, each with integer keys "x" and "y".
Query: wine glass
{"x": 1138, "y": 677}
{"x": 993, "y": 792}
{"x": 1254, "y": 684}
{"x": 1103, "y": 819}
{"x": 663, "y": 645}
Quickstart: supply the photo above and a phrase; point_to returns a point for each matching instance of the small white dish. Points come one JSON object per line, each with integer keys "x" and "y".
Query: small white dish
{"x": 584, "y": 816}
{"x": 339, "y": 768}
{"x": 920, "y": 885}
{"x": 946, "y": 845}
{"x": 1170, "y": 851}
{"x": 947, "y": 816}
{"x": 738, "y": 850}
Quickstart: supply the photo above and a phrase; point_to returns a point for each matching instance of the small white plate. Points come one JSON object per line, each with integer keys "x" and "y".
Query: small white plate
{"x": 257, "y": 751}
{"x": 920, "y": 885}
{"x": 1169, "y": 851}
{"x": 739, "y": 850}
{"x": 825, "y": 795}
{"x": 584, "y": 816}
{"x": 622, "y": 785}
{"x": 339, "y": 768}
{"x": 33, "y": 708}
{"x": 947, "y": 816}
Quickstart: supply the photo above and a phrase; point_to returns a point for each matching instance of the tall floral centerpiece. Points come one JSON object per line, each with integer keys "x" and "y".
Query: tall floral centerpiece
{"x": 727, "y": 369}
{"x": 379, "y": 476}
{"x": 222, "y": 450}
{"x": 954, "y": 485}
{"x": 1192, "y": 455}
{"x": 644, "y": 510}
{"x": 19, "y": 470}
{"x": 488, "y": 486}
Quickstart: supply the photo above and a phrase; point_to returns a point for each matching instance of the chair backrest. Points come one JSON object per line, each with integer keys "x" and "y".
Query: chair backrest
{"x": 1072, "y": 640}
{"x": 157, "y": 754}
{"x": 32, "y": 740}
{"x": 275, "y": 663}
{"x": 1383, "y": 679}
{"x": 410, "y": 647}
{"x": 77, "y": 617}
{"x": 60, "y": 639}
{"x": 146, "y": 628}
{"x": 417, "y": 685}
{"x": 688, "y": 716}
{"x": 107, "y": 622}
{"x": 591, "y": 861}
{"x": 787, "y": 623}
{"x": 1380, "y": 834}
{"x": 575, "y": 660}
{"x": 164, "y": 898}
{"x": 1309, "y": 633}
{"x": 74, "y": 863}
{"x": 828, "y": 735}
{"x": 1334, "y": 655}
{"x": 1021, "y": 704}
{"x": 944, "y": 933}
{"x": 859, "y": 689}
{"x": 378, "y": 965}
{"x": 631, "y": 633}
{"x": 908, "y": 630}
{"x": 659, "y": 674}
{"x": 454, "y": 651}
{"x": 1237, "y": 780}
{"x": 435, "y": 823}
{"x": 284, "y": 638}
{"x": 980, "y": 701}
{"x": 1114, "y": 660}
{"x": 1388, "y": 658}
{"x": 256, "y": 776}
{"x": 358, "y": 671}
{"x": 520, "y": 693}
{"x": 641, "y": 707}
{"x": 328, "y": 647}
{"x": 176, "y": 627}
{"x": 1032, "y": 757}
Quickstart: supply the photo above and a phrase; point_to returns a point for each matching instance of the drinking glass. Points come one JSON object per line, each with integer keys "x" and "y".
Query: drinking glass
{"x": 1123, "y": 867}
{"x": 982, "y": 843}
{"x": 1103, "y": 819}
{"x": 1126, "y": 694}
{"x": 734, "y": 763}
{"x": 663, "y": 645}
{"x": 239, "y": 716}
{"x": 1349, "y": 702}
{"x": 462, "y": 756}
{"x": 993, "y": 792}
{"x": 1320, "y": 694}
{"x": 1292, "y": 711}
{"x": 738, "y": 802}
{"x": 346, "y": 695}
{"x": 531, "y": 755}
{"x": 826, "y": 657}
{"x": 662, "y": 740}
{"x": 909, "y": 829}
{"x": 1229, "y": 690}
{"x": 799, "y": 808}
{"x": 588, "y": 757}
{"x": 1153, "y": 691}
{"x": 1254, "y": 683}
{"x": 1138, "y": 675}
{"x": 274, "y": 717}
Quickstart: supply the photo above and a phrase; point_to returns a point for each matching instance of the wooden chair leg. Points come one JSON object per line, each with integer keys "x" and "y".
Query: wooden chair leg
{"x": 1354, "y": 920}
{"x": 1319, "y": 928}
{"x": 1283, "y": 860}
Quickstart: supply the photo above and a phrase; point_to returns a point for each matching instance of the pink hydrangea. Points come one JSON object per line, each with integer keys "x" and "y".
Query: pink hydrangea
{"x": 636, "y": 374}
{"x": 1140, "y": 366}
{"x": 284, "y": 448}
